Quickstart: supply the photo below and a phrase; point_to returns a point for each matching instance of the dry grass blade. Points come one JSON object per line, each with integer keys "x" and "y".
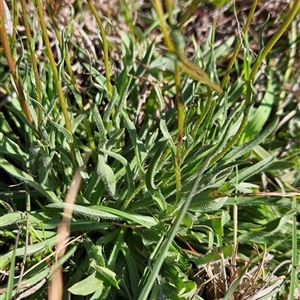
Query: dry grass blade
{"x": 217, "y": 277}
{"x": 55, "y": 287}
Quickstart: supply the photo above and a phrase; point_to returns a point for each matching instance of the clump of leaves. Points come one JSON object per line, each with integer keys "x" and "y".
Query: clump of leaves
{"x": 179, "y": 171}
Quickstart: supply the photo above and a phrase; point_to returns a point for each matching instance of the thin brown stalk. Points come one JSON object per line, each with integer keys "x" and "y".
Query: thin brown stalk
{"x": 12, "y": 65}
{"x": 55, "y": 288}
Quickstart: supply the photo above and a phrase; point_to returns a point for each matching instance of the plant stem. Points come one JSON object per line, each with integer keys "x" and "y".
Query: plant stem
{"x": 238, "y": 45}
{"x": 262, "y": 55}
{"x": 104, "y": 44}
{"x": 203, "y": 114}
{"x": 60, "y": 42}
{"x": 292, "y": 56}
{"x": 12, "y": 65}
{"x": 169, "y": 8}
{"x": 181, "y": 115}
{"x": 188, "y": 12}
{"x": 33, "y": 61}
{"x": 163, "y": 26}
{"x": 235, "y": 137}
{"x": 57, "y": 80}
{"x": 73, "y": 80}
{"x": 285, "y": 24}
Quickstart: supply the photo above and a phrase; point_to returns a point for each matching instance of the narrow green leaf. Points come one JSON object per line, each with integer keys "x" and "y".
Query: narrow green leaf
{"x": 110, "y": 109}
{"x": 61, "y": 129}
{"x": 122, "y": 80}
{"x": 216, "y": 223}
{"x": 252, "y": 170}
{"x": 107, "y": 274}
{"x": 278, "y": 223}
{"x": 145, "y": 61}
{"x": 200, "y": 204}
{"x": 10, "y": 283}
{"x": 243, "y": 149}
{"x": 262, "y": 113}
{"x": 115, "y": 137}
{"x": 22, "y": 117}
{"x": 90, "y": 212}
{"x": 101, "y": 80}
{"x": 107, "y": 175}
{"x": 155, "y": 160}
{"x": 139, "y": 148}
{"x": 132, "y": 268}
{"x": 107, "y": 213}
{"x": 31, "y": 249}
{"x": 129, "y": 175}
{"x": 279, "y": 166}
{"x": 91, "y": 186}
{"x": 162, "y": 122}
{"x": 261, "y": 237}
{"x": 26, "y": 178}
{"x": 150, "y": 278}
{"x": 121, "y": 104}
{"x": 99, "y": 123}
{"x": 227, "y": 251}
{"x": 10, "y": 219}
{"x": 9, "y": 147}
{"x": 78, "y": 120}
{"x": 87, "y": 286}
{"x": 258, "y": 200}
{"x": 95, "y": 252}
{"x": 197, "y": 73}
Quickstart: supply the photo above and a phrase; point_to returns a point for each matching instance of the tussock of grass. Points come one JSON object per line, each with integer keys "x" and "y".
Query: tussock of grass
{"x": 189, "y": 114}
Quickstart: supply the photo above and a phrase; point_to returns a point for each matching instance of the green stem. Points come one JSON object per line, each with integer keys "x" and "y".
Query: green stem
{"x": 262, "y": 55}
{"x": 60, "y": 42}
{"x": 116, "y": 249}
{"x": 181, "y": 115}
{"x": 289, "y": 18}
{"x": 188, "y": 12}
{"x": 129, "y": 199}
{"x": 290, "y": 66}
{"x": 163, "y": 26}
{"x": 86, "y": 123}
{"x": 287, "y": 21}
{"x": 104, "y": 44}
{"x": 203, "y": 114}
{"x": 235, "y": 137}
{"x": 169, "y": 7}
{"x": 33, "y": 61}
{"x": 56, "y": 78}
{"x": 238, "y": 45}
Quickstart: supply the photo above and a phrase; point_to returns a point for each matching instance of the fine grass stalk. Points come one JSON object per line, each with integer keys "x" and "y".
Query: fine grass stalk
{"x": 66, "y": 58}
{"x": 57, "y": 79}
{"x": 33, "y": 61}
{"x": 239, "y": 43}
{"x": 180, "y": 133}
{"x": 12, "y": 66}
{"x": 104, "y": 44}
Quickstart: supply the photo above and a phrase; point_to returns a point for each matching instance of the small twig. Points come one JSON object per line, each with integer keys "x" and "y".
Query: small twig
{"x": 55, "y": 288}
